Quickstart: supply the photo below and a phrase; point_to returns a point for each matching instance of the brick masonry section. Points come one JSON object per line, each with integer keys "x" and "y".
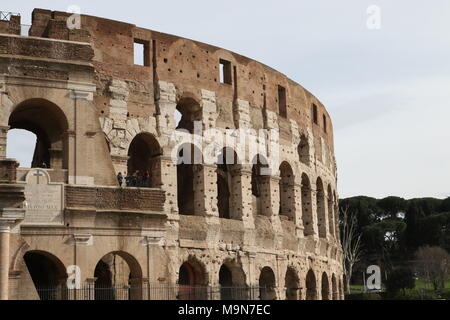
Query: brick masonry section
{"x": 115, "y": 198}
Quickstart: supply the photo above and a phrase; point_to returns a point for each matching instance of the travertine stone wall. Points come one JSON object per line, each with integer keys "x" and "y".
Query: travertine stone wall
{"x": 99, "y": 101}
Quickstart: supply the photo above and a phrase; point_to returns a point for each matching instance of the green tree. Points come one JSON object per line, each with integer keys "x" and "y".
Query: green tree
{"x": 399, "y": 279}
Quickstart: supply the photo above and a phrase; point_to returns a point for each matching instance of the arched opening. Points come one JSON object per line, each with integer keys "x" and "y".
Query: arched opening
{"x": 259, "y": 183}
{"x": 334, "y": 287}
{"x": 144, "y": 162}
{"x": 189, "y": 170}
{"x": 321, "y": 214}
{"x": 311, "y": 291}
{"x": 287, "y": 197}
{"x": 331, "y": 220}
{"x": 192, "y": 281}
{"x": 226, "y": 283}
{"x": 232, "y": 282}
{"x": 48, "y": 274}
{"x": 267, "y": 284}
{"x": 325, "y": 287}
{"x": 21, "y": 145}
{"x": 227, "y": 169}
{"x": 303, "y": 150}
{"x": 190, "y": 111}
{"x": 292, "y": 284}
{"x": 118, "y": 277}
{"x": 49, "y": 124}
{"x": 307, "y": 215}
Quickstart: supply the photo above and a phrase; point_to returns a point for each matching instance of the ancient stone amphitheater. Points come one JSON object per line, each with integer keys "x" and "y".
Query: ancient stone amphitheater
{"x": 104, "y": 97}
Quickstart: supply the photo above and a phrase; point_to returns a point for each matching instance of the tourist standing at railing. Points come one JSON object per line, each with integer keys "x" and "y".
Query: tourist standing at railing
{"x": 146, "y": 180}
{"x": 120, "y": 179}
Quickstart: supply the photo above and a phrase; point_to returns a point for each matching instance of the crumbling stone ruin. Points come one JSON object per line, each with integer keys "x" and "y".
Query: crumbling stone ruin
{"x": 106, "y": 98}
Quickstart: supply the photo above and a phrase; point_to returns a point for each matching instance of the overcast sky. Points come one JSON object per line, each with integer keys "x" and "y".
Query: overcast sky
{"x": 387, "y": 89}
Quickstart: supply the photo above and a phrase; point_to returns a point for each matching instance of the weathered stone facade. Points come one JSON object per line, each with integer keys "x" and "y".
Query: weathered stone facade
{"x": 96, "y": 113}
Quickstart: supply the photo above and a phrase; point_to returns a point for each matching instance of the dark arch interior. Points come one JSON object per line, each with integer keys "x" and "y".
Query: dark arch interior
{"x": 190, "y": 111}
{"x": 321, "y": 214}
{"x": 334, "y": 288}
{"x": 226, "y": 161}
{"x": 258, "y": 179}
{"x": 267, "y": 284}
{"x": 188, "y": 157}
{"x": 307, "y": 206}
{"x": 292, "y": 285}
{"x": 191, "y": 281}
{"x": 49, "y": 124}
{"x": 47, "y": 274}
{"x": 226, "y": 283}
{"x": 143, "y": 162}
{"x": 325, "y": 287}
{"x": 110, "y": 283}
{"x": 311, "y": 286}
{"x": 287, "y": 200}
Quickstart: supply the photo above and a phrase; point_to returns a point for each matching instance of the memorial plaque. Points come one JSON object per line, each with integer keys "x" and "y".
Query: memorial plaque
{"x": 44, "y": 200}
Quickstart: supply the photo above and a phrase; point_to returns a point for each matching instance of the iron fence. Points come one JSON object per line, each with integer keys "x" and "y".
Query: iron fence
{"x": 151, "y": 292}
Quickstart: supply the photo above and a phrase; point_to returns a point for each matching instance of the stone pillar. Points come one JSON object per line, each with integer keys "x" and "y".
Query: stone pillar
{"x": 242, "y": 181}
{"x": 3, "y": 141}
{"x": 56, "y": 158}
{"x": 270, "y": 200}
{"x": 71, "y": 155}
{"x": 4, "y": 260}
{"x": 205, "y": 190}
{"x": 299, "y": 228}
{"x": 169, "y": 183}
{"x": 8, "y": 220}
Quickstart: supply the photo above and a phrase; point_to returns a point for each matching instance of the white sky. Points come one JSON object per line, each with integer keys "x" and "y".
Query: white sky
{"x": 387, "y": 90}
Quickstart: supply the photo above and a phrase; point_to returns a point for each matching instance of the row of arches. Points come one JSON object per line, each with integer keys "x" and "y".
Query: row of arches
{"x": 145, "y": 154}
{"x": 49, "y": 123}
{"x": 119, "y": 268}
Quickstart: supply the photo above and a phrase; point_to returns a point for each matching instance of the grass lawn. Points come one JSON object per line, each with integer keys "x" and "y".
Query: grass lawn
{"x": 420, "y": 285}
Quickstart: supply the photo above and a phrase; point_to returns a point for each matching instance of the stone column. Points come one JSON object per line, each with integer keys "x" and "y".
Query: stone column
{"x": 298, "y": 220}
{"x": 3, "y": 141}
{"x": 8, "y": 220}
{"x": 4, "y": 260}
{"x": 71, "y": 156}
{"x": 270, "y": 200}
{"x": 205, "y": 190}
{"x": 242, "y": 180}
{"x": 169, "y": 183}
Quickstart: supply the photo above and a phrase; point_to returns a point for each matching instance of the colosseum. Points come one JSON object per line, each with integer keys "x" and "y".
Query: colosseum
{"x": 105, "y": 97}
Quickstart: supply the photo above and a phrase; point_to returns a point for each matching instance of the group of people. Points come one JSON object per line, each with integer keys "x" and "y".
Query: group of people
{"x": 138, "y": 179}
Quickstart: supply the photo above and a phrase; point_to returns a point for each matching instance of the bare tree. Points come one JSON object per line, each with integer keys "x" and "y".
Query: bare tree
{"x": 433, "y": 264}
{"x": 351, "y": 244}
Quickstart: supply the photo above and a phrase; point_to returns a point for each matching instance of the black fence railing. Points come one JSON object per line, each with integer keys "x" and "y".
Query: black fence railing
{"x": 152, "y": 292}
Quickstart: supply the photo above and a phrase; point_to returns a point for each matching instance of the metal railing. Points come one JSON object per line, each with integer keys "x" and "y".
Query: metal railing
{"x": 6, "y": 16}
{"x": 151, "y": 292}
